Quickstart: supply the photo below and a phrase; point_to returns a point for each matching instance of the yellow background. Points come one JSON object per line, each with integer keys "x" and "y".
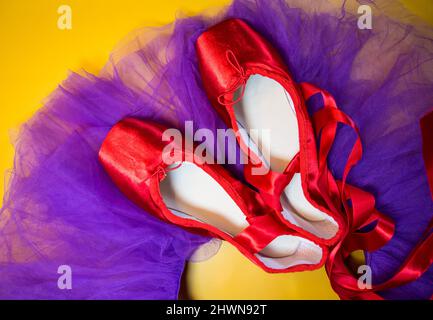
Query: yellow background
{"x": 35, "y": 57}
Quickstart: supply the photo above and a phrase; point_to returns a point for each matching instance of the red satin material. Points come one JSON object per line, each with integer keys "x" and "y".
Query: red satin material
{"x": 129, "y": 155}
{"x": 129, "y": 167}
{"x": 427, "y": 137}
{"x": 362, "y": 212}
{"x": 132, "y": 154}
{"x": 261, "y": 232}
{"x": 228, "y": 51}
{"x": 228, "y": 54}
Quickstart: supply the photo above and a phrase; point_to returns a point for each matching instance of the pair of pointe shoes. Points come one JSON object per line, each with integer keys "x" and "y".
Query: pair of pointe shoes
{"x": 278, "y": 226}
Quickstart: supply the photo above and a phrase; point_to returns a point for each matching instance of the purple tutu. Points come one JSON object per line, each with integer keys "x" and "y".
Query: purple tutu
{"x": 62, "y": 209}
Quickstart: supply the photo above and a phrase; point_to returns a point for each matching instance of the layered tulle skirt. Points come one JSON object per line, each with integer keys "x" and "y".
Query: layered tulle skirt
{"x": 60, "y": 207}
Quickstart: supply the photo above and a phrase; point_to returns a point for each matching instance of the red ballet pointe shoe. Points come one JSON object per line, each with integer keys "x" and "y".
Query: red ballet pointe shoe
{"x": 251, "y": 88}
{"x": 177, "y": 186}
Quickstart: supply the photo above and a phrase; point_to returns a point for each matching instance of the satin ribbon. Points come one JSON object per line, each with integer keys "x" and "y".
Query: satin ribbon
{"x": 260, "y": 232}
{"x": 426, "y": 124}
{"x": 241, "y": 81}
{"x": 358, "y": 207}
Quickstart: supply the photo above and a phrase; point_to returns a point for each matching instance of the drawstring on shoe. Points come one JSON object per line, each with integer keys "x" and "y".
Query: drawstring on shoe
{"x": 241, "y": 82}
{"x": 161, "y": 172}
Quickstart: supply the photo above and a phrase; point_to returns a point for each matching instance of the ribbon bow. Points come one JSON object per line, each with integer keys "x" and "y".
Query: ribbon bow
{"x": 359, "y": 207}
{"x": 240, "y": 82}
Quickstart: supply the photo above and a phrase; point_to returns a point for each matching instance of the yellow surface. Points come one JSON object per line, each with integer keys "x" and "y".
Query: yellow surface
{"x": 35, "y": 56}
{"x": 229, "y": 275}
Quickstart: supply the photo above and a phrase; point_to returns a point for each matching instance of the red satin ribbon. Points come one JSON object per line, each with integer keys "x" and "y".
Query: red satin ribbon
{"x": 242, "y": 79}
{"x": 260, "y": 232}
{"x": 427, "y": 147}
{"x": 362, "y": 212}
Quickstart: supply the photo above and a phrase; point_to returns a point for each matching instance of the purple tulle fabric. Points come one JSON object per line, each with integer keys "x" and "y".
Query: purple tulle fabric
{"x": 62, "y": 209}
